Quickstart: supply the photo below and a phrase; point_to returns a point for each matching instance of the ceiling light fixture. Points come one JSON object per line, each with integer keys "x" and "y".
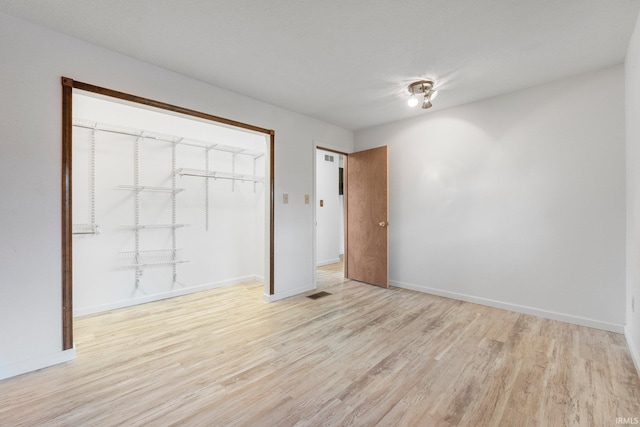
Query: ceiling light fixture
{"x": 422, "y": 87}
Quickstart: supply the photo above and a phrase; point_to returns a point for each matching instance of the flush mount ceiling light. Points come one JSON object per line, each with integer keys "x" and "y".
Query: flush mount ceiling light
{"x": 422, "y": 88}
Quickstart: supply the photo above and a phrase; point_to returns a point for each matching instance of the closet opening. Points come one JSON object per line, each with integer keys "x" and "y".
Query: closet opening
{"x": 159, "y": 201}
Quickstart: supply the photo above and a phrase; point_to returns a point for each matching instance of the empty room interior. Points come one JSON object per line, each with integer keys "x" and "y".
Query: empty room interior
{"x": 420, "y": 213}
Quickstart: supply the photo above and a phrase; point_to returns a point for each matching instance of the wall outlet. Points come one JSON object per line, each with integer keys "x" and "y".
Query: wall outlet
{"x": 285, "y": 198}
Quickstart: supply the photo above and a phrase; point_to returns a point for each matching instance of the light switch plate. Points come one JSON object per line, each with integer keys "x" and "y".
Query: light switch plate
{"x": 285, "y": 198}
{"x": 306, "y": 199}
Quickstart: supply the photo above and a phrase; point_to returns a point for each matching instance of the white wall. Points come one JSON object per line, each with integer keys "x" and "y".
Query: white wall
{"x": 32, "y": 60}
{"x": 516, "y": 201}
{"x": 328, "y": 215}
{"x": 220, "y": 251}
{"x": 632, "y": 74}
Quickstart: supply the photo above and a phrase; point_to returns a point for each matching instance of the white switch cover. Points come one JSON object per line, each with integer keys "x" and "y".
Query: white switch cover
{"x": 306, "y": 199}
{"x": 285, "y": 198}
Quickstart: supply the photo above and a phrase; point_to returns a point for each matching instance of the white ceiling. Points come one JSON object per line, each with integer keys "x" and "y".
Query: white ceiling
{"x": 348, "y": 62}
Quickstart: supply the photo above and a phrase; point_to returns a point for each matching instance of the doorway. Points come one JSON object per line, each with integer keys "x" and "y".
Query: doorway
{"x": 330, "y": 217}
{"x": 365, "y": 216}
{"x": 163, "y": 205}
{"x": 69, "y": 87}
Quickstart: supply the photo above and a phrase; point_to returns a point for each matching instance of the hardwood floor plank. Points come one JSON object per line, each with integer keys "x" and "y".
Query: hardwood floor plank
{"x": 360, "y": 356}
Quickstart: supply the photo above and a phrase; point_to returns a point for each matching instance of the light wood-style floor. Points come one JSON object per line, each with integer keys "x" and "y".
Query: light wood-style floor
{"x": 361, "y": 356}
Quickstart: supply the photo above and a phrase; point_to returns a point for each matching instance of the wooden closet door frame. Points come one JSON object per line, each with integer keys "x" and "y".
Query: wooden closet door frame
{"x": 68, "y": 85}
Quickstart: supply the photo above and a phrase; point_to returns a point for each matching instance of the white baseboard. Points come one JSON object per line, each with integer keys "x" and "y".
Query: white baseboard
{"x": 327, "y": 262}
{"x": 633, "y": 349}
{"x": 23, "y": 367}
{"x": 547, "y": 314}
{"x": 160, "y": 296}
{"x": 286, "y": 294}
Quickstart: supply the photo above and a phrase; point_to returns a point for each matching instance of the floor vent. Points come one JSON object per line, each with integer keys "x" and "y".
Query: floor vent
{"x": 318, "y": 295}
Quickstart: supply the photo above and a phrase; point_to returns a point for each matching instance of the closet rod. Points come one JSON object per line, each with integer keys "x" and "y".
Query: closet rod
{"x": 230, "y": 178}
{"x": 238, "y": 178}
{"x": 121, "y": 130}
{"x": 217, "y": 175}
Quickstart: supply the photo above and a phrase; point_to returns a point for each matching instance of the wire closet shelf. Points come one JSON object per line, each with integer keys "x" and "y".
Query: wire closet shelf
{"x": 138, "y": 258}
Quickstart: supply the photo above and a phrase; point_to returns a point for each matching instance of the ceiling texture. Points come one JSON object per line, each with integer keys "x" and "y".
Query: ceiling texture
{"x": 348, "y": 62}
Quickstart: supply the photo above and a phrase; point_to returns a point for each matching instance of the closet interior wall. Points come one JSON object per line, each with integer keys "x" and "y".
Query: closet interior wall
{"x": 162, "y": 205}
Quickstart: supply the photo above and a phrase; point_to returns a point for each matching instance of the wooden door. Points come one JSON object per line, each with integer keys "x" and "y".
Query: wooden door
{"x": 367, "y": 189}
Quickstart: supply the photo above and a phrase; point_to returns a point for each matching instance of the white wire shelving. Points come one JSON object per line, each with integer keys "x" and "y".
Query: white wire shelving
{"x": 153, "y": 226}
{"x": 149, "y": 188}
{"x": 218, "y": 175}
{"x": 85, "y": 229}
{"x": 139, "y": 259}
{"x": 150, "y": 135}
{"x": 148, "y": 258}
{"x": 91, "y": 228}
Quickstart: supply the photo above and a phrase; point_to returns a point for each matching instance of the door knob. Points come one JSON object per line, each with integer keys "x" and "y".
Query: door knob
{"x": 383, "y": 223}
